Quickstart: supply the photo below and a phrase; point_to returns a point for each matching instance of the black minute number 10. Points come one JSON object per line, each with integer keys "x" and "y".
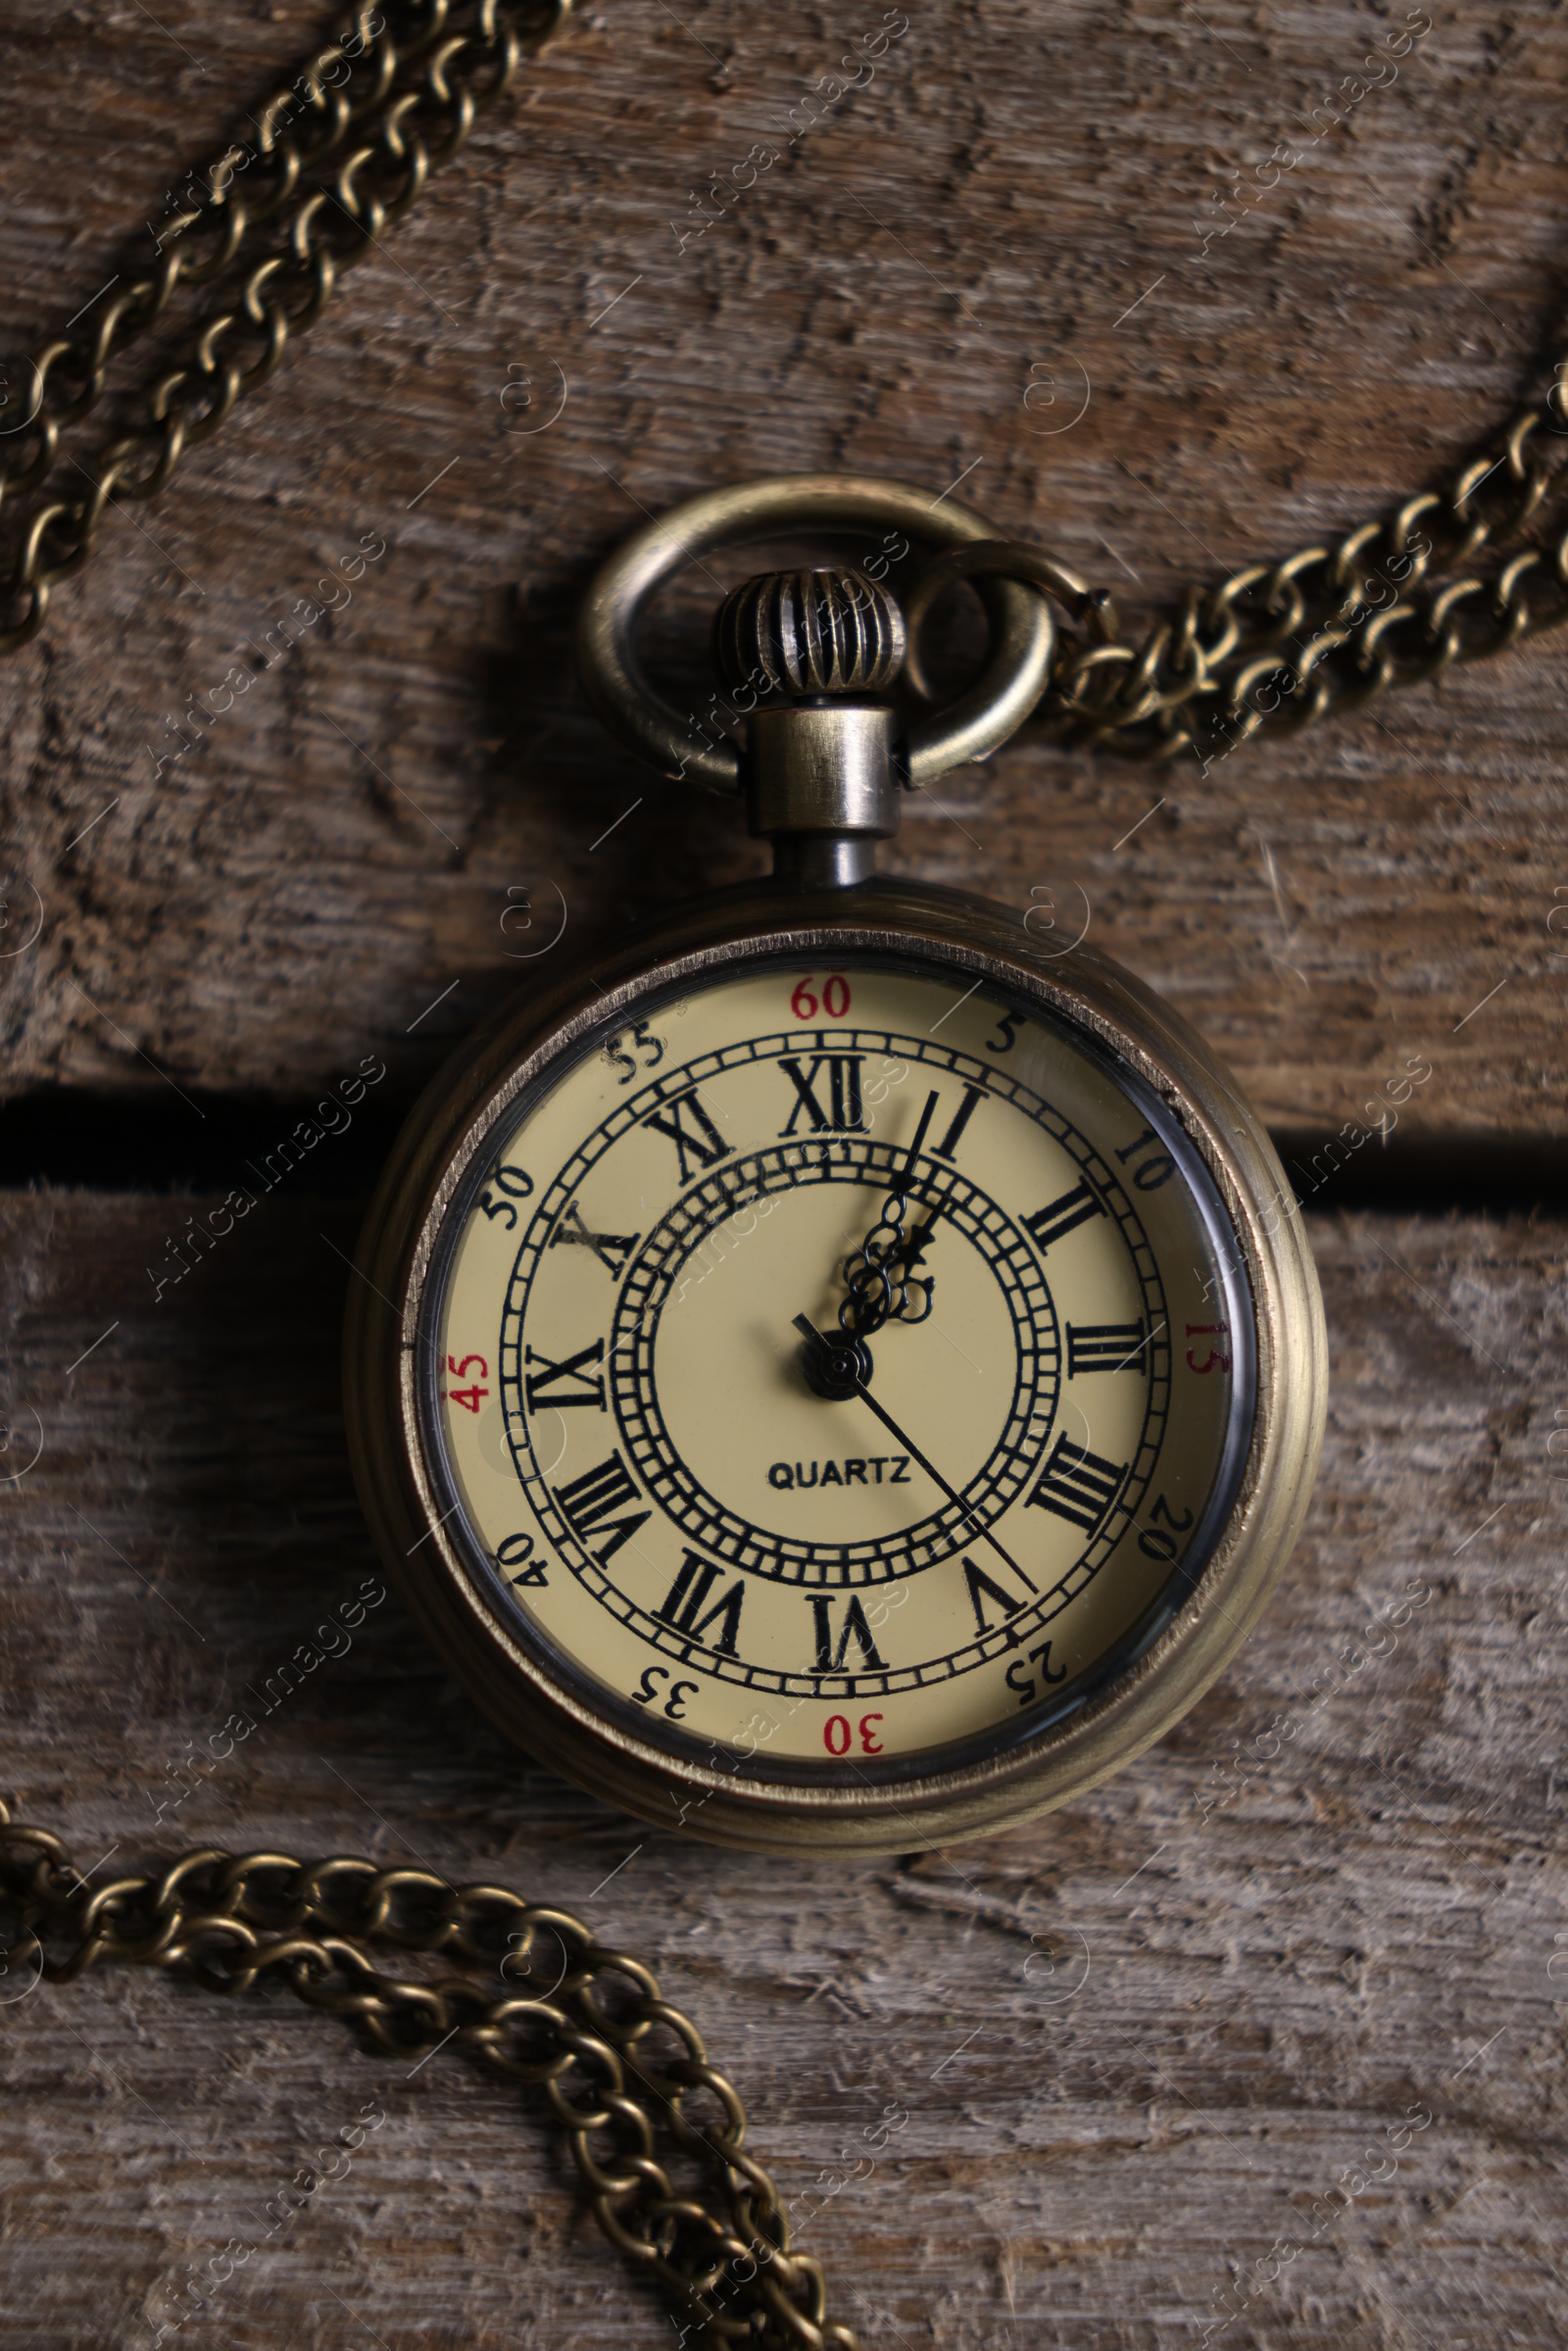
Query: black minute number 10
{"x": 1154, "y": 1166}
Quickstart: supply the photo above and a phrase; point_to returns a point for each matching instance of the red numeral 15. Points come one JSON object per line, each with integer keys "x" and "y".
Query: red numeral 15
{"x": 1217, "y": 1359}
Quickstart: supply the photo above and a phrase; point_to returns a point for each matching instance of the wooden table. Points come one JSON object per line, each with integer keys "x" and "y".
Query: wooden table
{"x": 1293, "y": 2077}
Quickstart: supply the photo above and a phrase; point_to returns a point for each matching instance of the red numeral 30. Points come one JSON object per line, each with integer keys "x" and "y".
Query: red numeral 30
{"x": 838, "y": 1738}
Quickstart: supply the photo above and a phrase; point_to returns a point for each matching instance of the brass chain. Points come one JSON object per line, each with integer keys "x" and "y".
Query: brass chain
{"x": 621, "y": 2069}
{"x": 1277, "y": 646}
{"x": 381, "y": 109}
{"x": 1268, "y": 650}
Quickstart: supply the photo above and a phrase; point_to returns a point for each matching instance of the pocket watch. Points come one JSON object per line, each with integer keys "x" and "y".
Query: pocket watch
{"x": 840, "y": 1371}
{"x": 843, "y": 1370}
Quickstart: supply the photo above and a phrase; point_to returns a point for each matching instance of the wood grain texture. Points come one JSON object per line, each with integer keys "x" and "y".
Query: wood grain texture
{"x": 1013, "y": 208}
{"x": 1137, "y": 2042}
{"x": 1145, "y": 2039}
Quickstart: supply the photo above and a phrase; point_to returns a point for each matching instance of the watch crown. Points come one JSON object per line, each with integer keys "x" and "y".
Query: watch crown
{"x": 809, "y": 633}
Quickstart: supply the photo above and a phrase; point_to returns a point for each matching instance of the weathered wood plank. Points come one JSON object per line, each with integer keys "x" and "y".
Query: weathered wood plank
{"x": 1334, "y": 1897}
{"x": 1004, "y": 213}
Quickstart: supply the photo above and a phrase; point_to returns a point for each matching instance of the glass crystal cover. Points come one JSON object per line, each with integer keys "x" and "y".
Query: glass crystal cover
{"x": 682, "y": 1487}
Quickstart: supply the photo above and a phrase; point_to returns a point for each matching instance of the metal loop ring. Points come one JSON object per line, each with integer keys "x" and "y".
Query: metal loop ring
{"x": 1012, "y": 681}
{"x": 1011, "y": 559}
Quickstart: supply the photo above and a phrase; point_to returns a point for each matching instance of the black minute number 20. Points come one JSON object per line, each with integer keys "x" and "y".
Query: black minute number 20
{"x": 1155, "y": 1541}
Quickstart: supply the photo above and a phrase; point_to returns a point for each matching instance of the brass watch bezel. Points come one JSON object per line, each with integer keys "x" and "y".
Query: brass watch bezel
{"x": 397, "y": 1480}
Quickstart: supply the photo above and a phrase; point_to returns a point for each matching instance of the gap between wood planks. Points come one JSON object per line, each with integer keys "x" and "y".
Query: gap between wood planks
{"x": 82, "y": 1140}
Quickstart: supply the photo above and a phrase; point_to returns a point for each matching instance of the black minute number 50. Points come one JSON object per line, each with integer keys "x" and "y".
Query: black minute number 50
{"x": 513, "y": 1185}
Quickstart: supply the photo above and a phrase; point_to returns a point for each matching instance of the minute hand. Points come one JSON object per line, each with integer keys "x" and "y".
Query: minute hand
{"x": 808, "y": 1330}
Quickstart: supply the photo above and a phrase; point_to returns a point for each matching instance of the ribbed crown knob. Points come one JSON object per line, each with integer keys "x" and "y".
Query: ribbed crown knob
{"x": 809, "y": 632}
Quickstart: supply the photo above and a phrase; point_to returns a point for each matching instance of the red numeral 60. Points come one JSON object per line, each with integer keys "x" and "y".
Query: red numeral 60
{"x": 835, "y": 997}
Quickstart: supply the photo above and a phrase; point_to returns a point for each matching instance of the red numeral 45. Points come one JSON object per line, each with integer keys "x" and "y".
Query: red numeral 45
{"x": 471, "y": 1398}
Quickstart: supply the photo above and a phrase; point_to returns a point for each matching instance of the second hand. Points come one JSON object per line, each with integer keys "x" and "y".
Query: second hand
{"x": 808, "y": 1330}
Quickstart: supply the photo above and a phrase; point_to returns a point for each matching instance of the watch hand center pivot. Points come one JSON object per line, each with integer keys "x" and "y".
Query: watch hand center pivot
{"x": 836, "y": 1365}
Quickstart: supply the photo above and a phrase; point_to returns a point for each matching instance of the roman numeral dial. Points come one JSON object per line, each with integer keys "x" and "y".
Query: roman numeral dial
{"x": 1078, "y": 1485}
{"x": 604, "y": 1493}
{"x": 686, "y": 1606}
{"x": 832, "y": 1639}
{"x": 1106, "y": 1346}
{"x": 809, "y": 1388}
{"x": 839, "y": 1077}
{"x": 576, "y": 1380}
{"x": 612, "y": 1249}
{"x": 1064, "y": 1215}
{"x": 953, "y": 1134}
{"x": 689, "y": 1123}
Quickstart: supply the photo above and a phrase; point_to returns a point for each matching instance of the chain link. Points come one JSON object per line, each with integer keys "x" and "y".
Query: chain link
{"x": 340, "y": 154}
{"x": 1277, "y": 647}
{"x": 624, "y": 2073}
{"x": 1268, "y": 650}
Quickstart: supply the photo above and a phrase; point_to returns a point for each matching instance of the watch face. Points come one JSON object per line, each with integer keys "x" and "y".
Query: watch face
{"x": 834, "y": 1373}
